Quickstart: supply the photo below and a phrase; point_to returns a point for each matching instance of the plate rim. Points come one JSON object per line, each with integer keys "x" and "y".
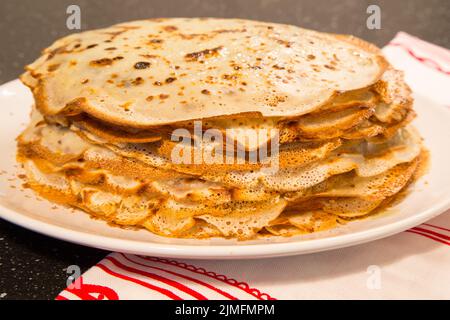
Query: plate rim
{"x": 223, "y": 252}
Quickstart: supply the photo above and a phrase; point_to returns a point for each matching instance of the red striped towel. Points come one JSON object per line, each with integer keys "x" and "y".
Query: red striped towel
{"x": 410, "y": 265}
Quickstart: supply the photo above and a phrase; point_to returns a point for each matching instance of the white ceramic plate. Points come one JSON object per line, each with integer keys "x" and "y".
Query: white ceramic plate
{"x": 430, "y": 197}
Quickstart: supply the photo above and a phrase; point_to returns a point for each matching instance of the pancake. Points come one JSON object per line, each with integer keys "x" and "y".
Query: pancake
{"x": 174, "y": 217}
{"x": 254, "y": 68}
{"x": 294, "y": 223}
{"x": 331, "y": 120}
{"x": 352, "y": 183}
{"x": 402, "y": 147}
{"x": 205, "y": 127}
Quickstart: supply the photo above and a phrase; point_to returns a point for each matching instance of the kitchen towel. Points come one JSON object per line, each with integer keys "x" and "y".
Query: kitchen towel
{"x": 413, "y": 264}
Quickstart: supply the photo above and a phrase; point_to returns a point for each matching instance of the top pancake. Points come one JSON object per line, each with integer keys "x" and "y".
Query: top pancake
{"x": 155, "y": 72}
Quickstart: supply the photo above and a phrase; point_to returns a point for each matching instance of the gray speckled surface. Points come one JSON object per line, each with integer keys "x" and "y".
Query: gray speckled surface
{"x": 32, "y": 266}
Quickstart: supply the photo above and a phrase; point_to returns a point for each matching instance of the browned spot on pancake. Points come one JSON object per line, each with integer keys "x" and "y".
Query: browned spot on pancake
{"x": 230, "y": 76}
{"x": 126, "y": 105}
{"x": 101, "y": 62}
{"x": 123, "y": 29}
{"x": 53, "y": 67}
{"x": 169, "y": 28}
{"x": 209, "y": 35}
{"x": 138, "y": 81}
{"x": 286, "y": 43}
{"x": 273, "y": 101}
{"x": 315, "y": 67}
{"x": 229, "y": 30}
{"x": 191, "y": 36}
{"x": 170, "y": 79}
{"x": 207, "y": 53}
{"x": 56, "y": 51}
{"x": 205, "y": 91}
{"x": 163, "y": 96}
{"x": 73, "y": 107}
{"x": 275, "y": 66}
{"x": 149, "y": 56}
{"x": 142, "y": 65}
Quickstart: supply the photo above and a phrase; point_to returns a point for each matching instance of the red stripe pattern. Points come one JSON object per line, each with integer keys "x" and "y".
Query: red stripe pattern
{"x": 432, "y": 232}
{"x": 209, "y": 286}
{"x": 437, "y": 227}
{"x": 157, "y": 278}
{"x": 153, "y": 276}
{"x": 241, "y": 285}
{"x": 123, "y": 275}
{"x": 426, "y": 61}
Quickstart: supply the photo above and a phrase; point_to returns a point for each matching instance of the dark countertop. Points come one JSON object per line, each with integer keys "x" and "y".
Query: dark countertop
{"x": 32, "y": 266}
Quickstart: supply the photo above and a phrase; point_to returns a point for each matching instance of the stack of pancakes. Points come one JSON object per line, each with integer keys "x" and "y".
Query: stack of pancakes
{"x": 212, "y": 127}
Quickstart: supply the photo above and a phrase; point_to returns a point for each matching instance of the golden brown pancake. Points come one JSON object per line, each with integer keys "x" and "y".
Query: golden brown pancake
{"x": 199, "y": 128}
